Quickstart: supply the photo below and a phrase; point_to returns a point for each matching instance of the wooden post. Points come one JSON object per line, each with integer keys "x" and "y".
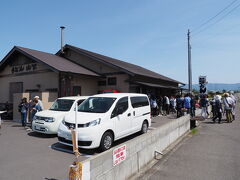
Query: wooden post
{"x": 75, "y": 172}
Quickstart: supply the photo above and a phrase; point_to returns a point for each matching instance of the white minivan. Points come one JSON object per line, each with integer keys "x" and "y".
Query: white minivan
{"x": 48, "y": 121}
{"x": 104, "y": 118}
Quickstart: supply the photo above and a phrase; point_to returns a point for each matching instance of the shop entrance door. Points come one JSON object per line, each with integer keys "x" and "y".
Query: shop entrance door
{"x": 15, "y": 87}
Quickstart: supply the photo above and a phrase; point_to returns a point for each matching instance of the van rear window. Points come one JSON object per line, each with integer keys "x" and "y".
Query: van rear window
{"x": 139, "y": 101}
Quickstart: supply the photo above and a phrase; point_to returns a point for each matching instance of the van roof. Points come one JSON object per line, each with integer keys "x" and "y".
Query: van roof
{"x": 118, "y": 95}
{"x": 74, "y": 97}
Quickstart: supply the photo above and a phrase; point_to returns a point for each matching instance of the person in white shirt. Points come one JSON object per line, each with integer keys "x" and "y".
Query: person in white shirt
{"x": 235, "y": 103}
{"x": 228, "y": 103}
{"x": 166, "y": 105}
{"x": 172, "y": 101}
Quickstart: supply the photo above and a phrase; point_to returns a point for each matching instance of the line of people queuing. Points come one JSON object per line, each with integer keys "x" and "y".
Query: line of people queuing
{"x": 223, "y": 106}
{"x": 31, "y": 107}
{"x": 179, "y": 104}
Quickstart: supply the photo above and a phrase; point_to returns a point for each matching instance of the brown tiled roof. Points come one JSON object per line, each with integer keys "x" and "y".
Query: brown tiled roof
{"x": 56, "y": 62}
{"x": 131, "y": 68}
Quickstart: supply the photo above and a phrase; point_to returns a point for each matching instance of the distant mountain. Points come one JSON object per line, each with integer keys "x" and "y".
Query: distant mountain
{"x": 218, "y": 87}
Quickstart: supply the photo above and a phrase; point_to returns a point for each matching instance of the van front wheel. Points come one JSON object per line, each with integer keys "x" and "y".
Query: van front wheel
{"x": 144, "y": 127}
{"x": 106, "y": 141}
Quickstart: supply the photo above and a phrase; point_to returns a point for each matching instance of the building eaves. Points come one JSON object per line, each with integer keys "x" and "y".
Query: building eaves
{"x": 129, "y": 68}
{"x": 54, "y": 62}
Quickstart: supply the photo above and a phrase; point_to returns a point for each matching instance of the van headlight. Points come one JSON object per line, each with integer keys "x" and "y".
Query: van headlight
{"x": 63, "y": 121}
{"x": 49, "y": 119}
{"x": 92, "y": 123}
{"x": 35, "y": 118}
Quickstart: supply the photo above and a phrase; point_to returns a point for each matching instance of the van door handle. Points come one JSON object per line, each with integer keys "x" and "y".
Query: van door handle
{"x": 129, "y": 114}
{"x": 134, "y": 113}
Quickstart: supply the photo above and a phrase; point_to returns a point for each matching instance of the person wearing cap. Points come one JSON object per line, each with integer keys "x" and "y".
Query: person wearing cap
{"x": 217, "y": 110}
{"x": 39, "y": 102}
{"x": 35, "y": 108}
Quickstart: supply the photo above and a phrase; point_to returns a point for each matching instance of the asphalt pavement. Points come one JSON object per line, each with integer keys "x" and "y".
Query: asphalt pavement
{"x": 26, "y": 155}
{"x": 213, "y": 153}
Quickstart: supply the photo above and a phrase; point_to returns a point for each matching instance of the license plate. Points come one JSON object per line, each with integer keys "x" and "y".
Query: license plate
{"x": 68, "y": 136}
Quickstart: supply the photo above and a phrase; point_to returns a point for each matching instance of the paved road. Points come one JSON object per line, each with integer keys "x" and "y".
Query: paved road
{"x": 211, "y": 154}
{"x": 25, "y": 155}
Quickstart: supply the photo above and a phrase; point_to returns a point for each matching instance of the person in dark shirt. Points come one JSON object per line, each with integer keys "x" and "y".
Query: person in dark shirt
{"x": 192, "y": 105}
{"x": 203, "y": 105}
{"x": 160, "y": 105}
{"x": 179, "y": 105}
{"x": 217, "y": 110}
{"x": 36, "y": 108}
{"x": 23, "y": 109}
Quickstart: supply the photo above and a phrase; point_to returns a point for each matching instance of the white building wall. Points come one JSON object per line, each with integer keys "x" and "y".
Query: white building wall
{"x": 47, "y": 80}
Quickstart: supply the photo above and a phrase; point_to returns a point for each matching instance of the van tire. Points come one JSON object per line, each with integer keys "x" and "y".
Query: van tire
{"x": 144, "y": 128}
{"x": 106, "y": 141}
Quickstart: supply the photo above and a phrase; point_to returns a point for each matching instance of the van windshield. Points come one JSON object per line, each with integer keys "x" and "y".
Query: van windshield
{"x": 96, "y": 105}
{"x": 62, "y": 105}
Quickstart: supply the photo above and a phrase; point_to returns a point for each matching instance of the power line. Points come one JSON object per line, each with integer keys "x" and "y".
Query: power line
{"x": 198, "y": 32}
{"x": 220, "y": 12}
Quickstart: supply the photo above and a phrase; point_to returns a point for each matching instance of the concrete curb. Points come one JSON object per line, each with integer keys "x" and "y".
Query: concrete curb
{"x": 140, "y": 152}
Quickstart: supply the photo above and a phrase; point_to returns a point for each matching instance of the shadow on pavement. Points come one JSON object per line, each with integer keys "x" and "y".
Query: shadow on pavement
{"x": 17, "y": 126}
{"x": 51, "y": 179}
{"x": 223, "y": 121}
{"x": 40, "y": 135}
{"x": 68, "y": 149}
{"x": 125, "y": 139}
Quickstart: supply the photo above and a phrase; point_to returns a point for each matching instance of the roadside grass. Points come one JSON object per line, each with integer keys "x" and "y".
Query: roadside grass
{"x": 194, "y": 131}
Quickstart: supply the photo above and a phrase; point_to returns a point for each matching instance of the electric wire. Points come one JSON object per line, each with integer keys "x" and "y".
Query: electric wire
{"x": 198, "y": 32}
{"x": 212, "y": 18}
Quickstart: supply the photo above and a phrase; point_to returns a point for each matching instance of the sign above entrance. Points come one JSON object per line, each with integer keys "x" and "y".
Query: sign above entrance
{"x": 24, "y": 68}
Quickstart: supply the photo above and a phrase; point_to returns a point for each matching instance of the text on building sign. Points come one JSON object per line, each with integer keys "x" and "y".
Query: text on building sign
{"x": 24, "y": 68}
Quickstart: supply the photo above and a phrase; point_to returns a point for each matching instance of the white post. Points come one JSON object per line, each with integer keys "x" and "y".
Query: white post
{"x": 0, "y": 121}
{"x": 1, "y": 112}
{"x": 76, "y": 124}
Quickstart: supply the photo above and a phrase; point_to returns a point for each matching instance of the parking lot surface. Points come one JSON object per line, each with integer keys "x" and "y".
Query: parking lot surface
{"x": 26, "y": 155}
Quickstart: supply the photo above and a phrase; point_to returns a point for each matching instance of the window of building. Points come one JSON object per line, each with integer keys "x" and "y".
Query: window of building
{"x": 139, "y": 101}
{"x": 112, "y": 81}
{"x": 76, "y": 90}
{"x": 102, "y": 83}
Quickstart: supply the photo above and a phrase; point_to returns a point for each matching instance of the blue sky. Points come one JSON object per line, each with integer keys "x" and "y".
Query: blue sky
{"x": 149, "y": 33}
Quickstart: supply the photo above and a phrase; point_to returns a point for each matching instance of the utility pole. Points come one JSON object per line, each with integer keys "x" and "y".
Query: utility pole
{"x": 62, "y": 28}
{"x": 189, "y": 64}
